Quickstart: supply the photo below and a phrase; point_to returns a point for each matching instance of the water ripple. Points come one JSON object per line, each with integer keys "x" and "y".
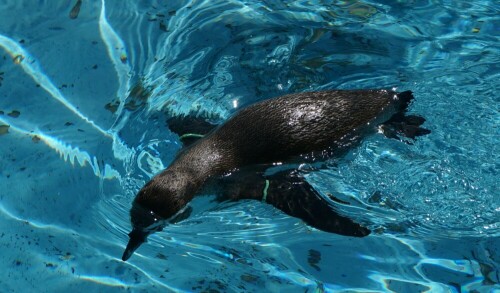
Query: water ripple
{"x": 116, "y": 72}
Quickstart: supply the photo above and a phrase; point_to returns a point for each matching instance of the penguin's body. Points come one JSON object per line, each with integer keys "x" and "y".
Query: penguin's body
{"x": 289, "y": 127}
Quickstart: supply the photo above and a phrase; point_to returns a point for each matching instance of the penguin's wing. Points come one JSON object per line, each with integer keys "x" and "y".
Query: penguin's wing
{"x": 189, "y": 128}
{"x": 292, "y": 194}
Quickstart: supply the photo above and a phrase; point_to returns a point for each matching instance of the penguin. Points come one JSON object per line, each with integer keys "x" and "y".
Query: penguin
{"x": 294, "y": 128}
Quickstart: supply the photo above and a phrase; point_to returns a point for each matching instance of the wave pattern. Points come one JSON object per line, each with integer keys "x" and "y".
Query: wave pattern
{"x": 85, "y": 93}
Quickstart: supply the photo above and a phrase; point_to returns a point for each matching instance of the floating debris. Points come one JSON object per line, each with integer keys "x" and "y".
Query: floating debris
{"x": 476, "y": 30}
{"x": 35, "y": 139}
{"x": 138, "y": 96}
{"x": 136, "y": 99}
{"x": 140, "y": 92}
{"x": 123, "y": 58}
{"x": 163, "y": 27}
{"x": 66, "y": 257}
{"x": 249, "y": 278}
{"x": 18, "y": 59}
{"x": 131, "y": 106}
{"x": 112, "y": 106}
{"x": 314, "y": 258}
{"x": 73, "y": 14}
{"x": 14, "y": 114}
{"x": 4, "y": 129}
{"x": 50, "y": 265}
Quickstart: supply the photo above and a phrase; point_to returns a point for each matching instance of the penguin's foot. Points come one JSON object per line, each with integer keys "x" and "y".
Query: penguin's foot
{"x": 404, "y": 126}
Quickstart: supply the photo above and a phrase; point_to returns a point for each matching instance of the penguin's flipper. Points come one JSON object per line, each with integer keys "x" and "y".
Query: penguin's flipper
{"x": 401, "y": 125}
{"x": 189, "y": 128}
{"x": 290, "y": 193}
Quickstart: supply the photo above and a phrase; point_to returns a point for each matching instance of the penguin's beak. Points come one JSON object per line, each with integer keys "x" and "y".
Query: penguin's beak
{"x": 137, "y": 238}
{"x": 144, "y": 222}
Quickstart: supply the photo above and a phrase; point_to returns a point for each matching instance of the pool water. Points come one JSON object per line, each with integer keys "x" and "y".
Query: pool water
{"x": 85, "y": 90}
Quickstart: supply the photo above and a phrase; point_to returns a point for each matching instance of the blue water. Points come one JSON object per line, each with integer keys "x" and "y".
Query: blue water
{"x": 83, "y": 102}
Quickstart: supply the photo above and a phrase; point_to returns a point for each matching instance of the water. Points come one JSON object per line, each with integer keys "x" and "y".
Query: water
{"x": 83, "y": 103}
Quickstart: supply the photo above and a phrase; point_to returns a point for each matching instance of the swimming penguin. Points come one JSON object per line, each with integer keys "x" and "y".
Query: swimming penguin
{"x": 290, "y": 128}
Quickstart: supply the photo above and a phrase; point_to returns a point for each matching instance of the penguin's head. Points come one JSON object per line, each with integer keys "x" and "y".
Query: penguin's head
{"x": 144, "y": 222}
{"x": 156, "y": 205}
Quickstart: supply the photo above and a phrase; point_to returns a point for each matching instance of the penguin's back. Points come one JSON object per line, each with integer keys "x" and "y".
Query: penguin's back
{"x": 292, "y": 125}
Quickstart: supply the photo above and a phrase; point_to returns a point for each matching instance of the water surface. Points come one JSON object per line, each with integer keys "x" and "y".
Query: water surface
{"x": 85, "y": 92}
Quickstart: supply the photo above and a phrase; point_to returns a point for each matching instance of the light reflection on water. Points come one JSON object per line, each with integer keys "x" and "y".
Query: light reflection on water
{"x": 433, "y": 206}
